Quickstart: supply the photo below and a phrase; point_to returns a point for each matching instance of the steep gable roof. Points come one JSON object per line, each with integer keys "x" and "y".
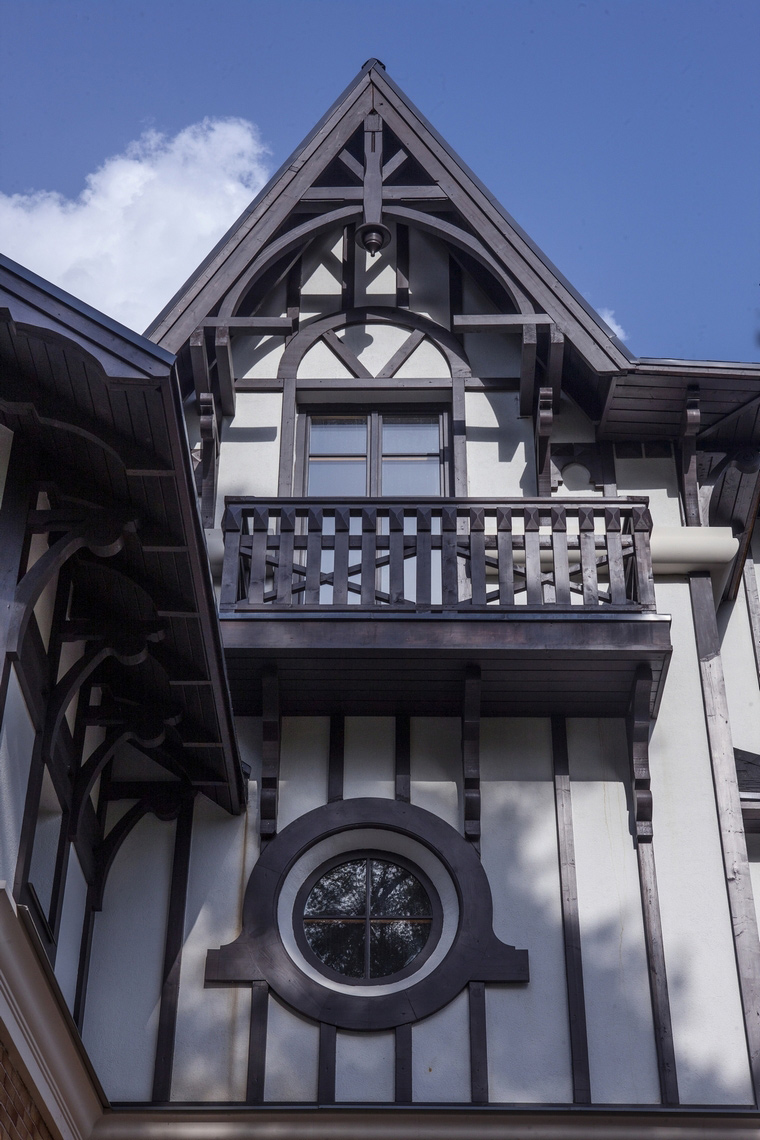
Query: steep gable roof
{"x": 519, "y": 258}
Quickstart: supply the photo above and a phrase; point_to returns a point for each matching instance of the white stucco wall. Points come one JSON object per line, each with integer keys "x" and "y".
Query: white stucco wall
{"x": 656, "y": 478}
{"x": 365, "y": 1067}
{"x": 622, "y": 1058}
{"x": 124, "y": 985}
{"x": 369, "y": 757}
{"x": 441, "y": 1054}
{"x": 16, "y": 745}
{"x": 527, "y": 1025}
{"x": 708, "y": 1030}
{"x": 499, "y": 446}
{"x": 436, "y": 767}
{"x": 304, "y": 754}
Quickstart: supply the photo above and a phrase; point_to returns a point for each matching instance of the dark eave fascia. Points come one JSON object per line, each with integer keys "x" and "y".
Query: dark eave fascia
{"x": 671, "y": 365}
{"x": 228, "y": 238}
{"x": 75, "y": 315}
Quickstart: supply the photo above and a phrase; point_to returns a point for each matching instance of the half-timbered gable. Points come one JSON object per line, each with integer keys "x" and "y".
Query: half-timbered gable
{"x": 381, "y": 744}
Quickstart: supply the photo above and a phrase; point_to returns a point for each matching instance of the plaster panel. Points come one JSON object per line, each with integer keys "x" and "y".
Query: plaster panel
{"x": 211, "y": 1049}
{"x": 321, "y": 363}
{"x": 249, "y": 458}
{"x": 16, "y": 745}
{"x": 369, "y": 767}
{"x": 527, "y": 1025}
{"x": 656, "y": 478}
{"x": 494, "y": 354}
{"x": 426, "y": 360}
{"x": 374, "y": 345}
{"x": 304, "y": 753}
{"x": 365, "y": 1067}
{"x": 570, "y": 424}
{"x": 256, "y": 357}
{"x": 436, "y": 767}
{"x": 428, "y": 277}
{"x": 292, "y": 1059}
{"x": 375, "y": 280}
{"x": 70, "y": 930}
{"x": 124, "y": 984}
{"x": 622, "y": 1057}
{"x": 708, "y": 1030}
{"x": 740, "y": 672}
{"x": 499, "y": 446}
{"x": 441, "y": 1054}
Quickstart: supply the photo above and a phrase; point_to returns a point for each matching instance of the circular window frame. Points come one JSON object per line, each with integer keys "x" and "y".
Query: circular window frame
{"x": 259, "y": 953}
{"x": 436, "y": 924}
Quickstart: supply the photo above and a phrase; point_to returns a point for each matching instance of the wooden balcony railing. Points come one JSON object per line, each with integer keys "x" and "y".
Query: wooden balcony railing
{"x": 437, "y": 555}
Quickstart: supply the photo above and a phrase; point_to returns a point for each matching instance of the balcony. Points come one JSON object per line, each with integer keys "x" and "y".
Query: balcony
{"x": 379, "y": 605}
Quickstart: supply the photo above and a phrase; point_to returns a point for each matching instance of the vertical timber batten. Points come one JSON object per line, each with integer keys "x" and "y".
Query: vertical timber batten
{"x": 735, "y": 860}
{"x": 638, "y": 725}
{"x": 175, "y": 937}
{"x": 576, "y": 1003}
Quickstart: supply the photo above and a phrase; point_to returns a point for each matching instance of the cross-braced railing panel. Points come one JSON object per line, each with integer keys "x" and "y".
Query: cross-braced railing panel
{"x": 437, "y": 554}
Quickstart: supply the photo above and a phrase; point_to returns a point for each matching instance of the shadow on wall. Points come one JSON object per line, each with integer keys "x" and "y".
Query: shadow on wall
{"x": 528, "y": 1025}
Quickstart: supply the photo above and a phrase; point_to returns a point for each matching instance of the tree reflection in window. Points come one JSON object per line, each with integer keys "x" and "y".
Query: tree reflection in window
{"x": 367, "y": 918}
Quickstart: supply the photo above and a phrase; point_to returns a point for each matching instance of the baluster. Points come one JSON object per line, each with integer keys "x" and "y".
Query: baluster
{"x": 478, "y": 555}
{"x": 449, "y": 565}
{"x": 588, "y": 556}
{"x": 369, "y": 555}
{"x": 313, "y": 557}
{"x": 559, "y": 548}
{"x": 229, "y": 595}
{"x": 340, "y": 561}
{"x": 535, "y": 593}
{"x": 396, "y": 555}
{"x": 423, "y": 556}
{"x": 615, "y": 556}
{"x": 642, "y": 526}
{"x": 257, "y": 579}
{"x": 284, "y": 577}
{"x": 506, "y": 557}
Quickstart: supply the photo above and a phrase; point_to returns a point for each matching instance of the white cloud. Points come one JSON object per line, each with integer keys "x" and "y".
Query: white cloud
{"x": 608, "y": 315}
{"x": 143, "y": 222}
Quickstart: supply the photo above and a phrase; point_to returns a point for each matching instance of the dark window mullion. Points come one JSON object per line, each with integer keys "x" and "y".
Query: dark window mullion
{"x": 375, "y": 430}
{"x": 368, "y": 911}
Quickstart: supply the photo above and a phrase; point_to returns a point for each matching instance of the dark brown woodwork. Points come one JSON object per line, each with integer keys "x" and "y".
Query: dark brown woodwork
{"x": 689, "y": 431}
{"x": 528, "y": 370}
{"x": 471, "y": 754}
{"x": 403, "y": 1066}
{"x": 335, "y": 763}
{"x": 208, "y": 467}
{"x": 326, "y": 1070}
{"x": 639, "y": 724}
{"x": 175, "y": 938}
{"x": 476, "y": 993}
{"x": 753, "y": 607}
{"x": 257, "y": 1043}
{"x": 270, "y": 754}
{"x": 403, "y": 759}
{"x": 497, "y": 322}
{"x": 728, "y": 805}
{"x": 576, "y": 1002}
{"x": 544, "y": 419}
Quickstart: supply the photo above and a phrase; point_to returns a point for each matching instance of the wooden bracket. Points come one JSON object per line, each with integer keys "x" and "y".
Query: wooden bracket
{"x": 542, "y": 436}
{"x": 638, "y": 724}
{"x": 690, "y": 423}
{"x": 225, "y": 369}
{"x": 207, "y": 470}
{"x": 528, "y": 369}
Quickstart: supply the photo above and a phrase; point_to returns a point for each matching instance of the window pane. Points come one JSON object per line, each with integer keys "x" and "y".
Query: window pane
{"x": 342, "y": 891}
{"x": 396, "y": 891}
{"x": 338, "y": 435}
{"x": 45, "y": 850}
{"x": 410, "y": 435}
{"x": 337, "y": 477}
{"x": 411, "y": 477}
{"x": 393, "y": 945}
{"x": 340, "y": 945}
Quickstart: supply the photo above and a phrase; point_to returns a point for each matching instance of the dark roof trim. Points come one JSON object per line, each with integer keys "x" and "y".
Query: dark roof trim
{"x": 84, "y": 310}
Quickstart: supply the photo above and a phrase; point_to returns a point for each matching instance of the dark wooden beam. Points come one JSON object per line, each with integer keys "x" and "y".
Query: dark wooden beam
{"x": 478, "y": 1043}
{"x": 402, "y": 266}
{"x": 497, "y": 322}
{"x": 403, "y": 1075}
{"x": 175, "y": 938}
{"x": 257, "y": 1043}
{"x": 528, "y": 370}
{"x": 270, "y": 758}
{"x": 542, "y": 439}
{"x": 401, "y": 355}
{"x": 392, "y": 165}
{"x": 728, "y": 805}
{"x": 403, "y": 759}
{"x": 336, "y": 760}
{"x": 390, "y": 194}
{"x": 554, "y": 361}
{"x": 346, "y": 356}
{"x": 199, "y": 363}
{"x": 576, "y": 1002}
{"x": 638, "y": 724}
{"x": 471, "y": 754}
{"x": 326, "y": 1071}
{"x": 250, "y": 326}
{"x": 225, "y": 369}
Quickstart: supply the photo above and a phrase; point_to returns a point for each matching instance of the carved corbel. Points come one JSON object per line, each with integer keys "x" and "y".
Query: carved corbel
{"x": 690, "y": 423}
{"x": 372, "y": 235}
{"x": 206, "y": 472}
{"x": 542, "y": 435}
{"x": 103, "y": 534}
{"x": 638, "y": 725}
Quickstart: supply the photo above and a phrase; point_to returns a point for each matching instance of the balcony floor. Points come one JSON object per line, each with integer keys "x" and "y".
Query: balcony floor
{"x": 376, "y": 664}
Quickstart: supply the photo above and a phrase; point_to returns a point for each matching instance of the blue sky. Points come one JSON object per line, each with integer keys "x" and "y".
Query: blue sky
{"x": 622, "y": 135}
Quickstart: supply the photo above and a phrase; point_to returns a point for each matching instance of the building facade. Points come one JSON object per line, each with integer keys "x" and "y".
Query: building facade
{"x": 380, "y": 740}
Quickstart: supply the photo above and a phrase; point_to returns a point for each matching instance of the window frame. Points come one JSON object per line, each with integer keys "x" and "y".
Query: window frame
{"x": 374, "y": 413}
{"x": 436, "y": 920}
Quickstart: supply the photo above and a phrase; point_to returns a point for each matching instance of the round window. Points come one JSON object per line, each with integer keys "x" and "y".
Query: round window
{"x": 368, "y": 918}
